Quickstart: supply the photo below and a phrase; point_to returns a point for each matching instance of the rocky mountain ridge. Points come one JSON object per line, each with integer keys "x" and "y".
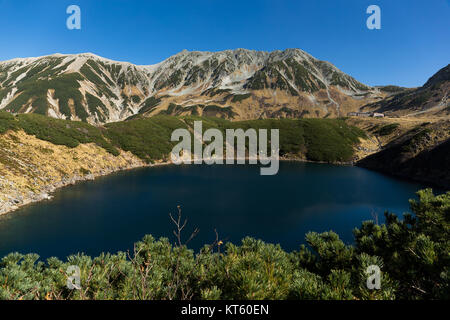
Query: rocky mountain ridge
{"x": 233, "y": 84}
{"x": 429, "y": 100}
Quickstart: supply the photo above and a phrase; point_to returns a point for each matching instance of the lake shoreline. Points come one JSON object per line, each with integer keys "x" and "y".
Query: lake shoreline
{"x": 113, "y": 212}
{"x": 45, "y": 193}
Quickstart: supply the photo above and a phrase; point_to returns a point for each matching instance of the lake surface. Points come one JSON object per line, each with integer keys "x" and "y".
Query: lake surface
{"x": 113, "y": 212}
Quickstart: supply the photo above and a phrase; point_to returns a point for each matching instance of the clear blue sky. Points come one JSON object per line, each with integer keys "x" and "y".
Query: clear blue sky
{"x": 413, "y": 43}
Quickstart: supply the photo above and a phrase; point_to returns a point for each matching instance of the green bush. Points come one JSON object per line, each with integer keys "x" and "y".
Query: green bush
{"x": 147, "y": 138}
{"x": 328, "y": 140}
{"x": 240, "y": 97}
{"x": 7, "y": 122}
{"x": 413, "y": 255}
{"x": 387, "y": 129}
{"x": 56, "y": 131}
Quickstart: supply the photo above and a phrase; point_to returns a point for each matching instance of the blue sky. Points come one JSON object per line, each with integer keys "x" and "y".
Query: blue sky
{"x": 413, "y": 43}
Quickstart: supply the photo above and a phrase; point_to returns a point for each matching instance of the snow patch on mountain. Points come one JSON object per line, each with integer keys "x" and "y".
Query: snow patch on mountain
{"x": 113, "y": 90}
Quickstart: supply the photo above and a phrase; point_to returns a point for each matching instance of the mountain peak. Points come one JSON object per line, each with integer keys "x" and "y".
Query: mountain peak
{"x": 440, "y": 76}
{"x": 236, "y": 83}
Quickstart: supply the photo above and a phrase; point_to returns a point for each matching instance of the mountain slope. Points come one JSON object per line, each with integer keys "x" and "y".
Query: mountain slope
{"x": 432, "y": 99}
{"x": 39, "y": 153}
{"x": 78, "y": 87}
{"x": 233, "y": 84}
{"x": 422, "y": 154}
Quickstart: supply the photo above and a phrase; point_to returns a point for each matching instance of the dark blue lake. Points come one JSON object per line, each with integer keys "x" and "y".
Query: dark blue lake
{"x": 113, "y": 212}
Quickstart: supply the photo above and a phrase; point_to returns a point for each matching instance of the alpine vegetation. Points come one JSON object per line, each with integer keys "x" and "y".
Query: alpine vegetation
{"x": 412, "y": 255}
{"x": 233, "y": 84}
{"x": 214, "y": 152}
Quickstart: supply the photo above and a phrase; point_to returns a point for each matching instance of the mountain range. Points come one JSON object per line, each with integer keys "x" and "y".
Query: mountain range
{"x": 431, "y": 99}
{"x": 233, "y": 84}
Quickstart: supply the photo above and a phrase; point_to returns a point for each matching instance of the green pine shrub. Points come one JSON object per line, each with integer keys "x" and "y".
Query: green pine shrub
{"x": 412, "y": 253}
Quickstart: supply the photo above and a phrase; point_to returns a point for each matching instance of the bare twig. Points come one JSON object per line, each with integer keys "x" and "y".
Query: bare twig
{"x": 374, "y": 215}
{"x": 180, "y": 226}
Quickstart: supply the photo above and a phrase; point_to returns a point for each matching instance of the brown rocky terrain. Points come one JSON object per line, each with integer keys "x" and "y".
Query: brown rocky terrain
{"x": 429, "y": 101}
{"x": 411, "y": 149}
{"x": 31, "y": 169}
{"x": 233, "y": 84}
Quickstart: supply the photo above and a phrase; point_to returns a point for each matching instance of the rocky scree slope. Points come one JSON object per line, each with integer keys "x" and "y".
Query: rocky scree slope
{"x": 430, "y": 100}
{"x": 231, "y": 84}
